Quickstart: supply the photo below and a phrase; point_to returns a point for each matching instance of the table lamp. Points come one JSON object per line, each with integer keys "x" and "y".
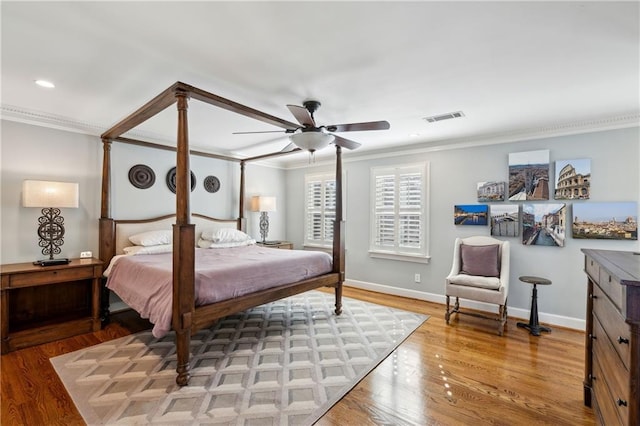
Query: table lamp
{"x": 51, "y": 197}
{"x": 262, "y": 204}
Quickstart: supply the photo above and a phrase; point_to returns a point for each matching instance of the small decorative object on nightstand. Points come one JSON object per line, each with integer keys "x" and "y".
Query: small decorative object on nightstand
{"x": 51, "y": 196}
{"x": 42, "y": 305}
{"x": 263, "y": 205}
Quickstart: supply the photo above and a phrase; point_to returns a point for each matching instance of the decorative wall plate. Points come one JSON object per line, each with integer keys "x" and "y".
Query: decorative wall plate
{"x": 142, "y": 176}
{"x": 211, "y": 184}
{"x": 171, "y": 180}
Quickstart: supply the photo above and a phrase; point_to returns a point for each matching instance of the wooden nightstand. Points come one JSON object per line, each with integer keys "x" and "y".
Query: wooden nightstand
{"x": 280, "y": 245}
{"x": 43, "y": 304}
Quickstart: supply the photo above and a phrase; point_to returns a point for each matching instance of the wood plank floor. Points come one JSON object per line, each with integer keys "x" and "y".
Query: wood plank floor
{"x": 462, "y": 374}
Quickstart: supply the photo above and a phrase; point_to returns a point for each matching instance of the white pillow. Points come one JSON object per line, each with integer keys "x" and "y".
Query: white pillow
{"x": 152, "y": 238}
{"x": 136, "y": 250}
{"x": 212, "y": 244}
{"x": 224, "y": 235}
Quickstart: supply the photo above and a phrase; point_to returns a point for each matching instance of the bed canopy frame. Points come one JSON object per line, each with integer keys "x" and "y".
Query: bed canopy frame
{"x": 186, "y": 317}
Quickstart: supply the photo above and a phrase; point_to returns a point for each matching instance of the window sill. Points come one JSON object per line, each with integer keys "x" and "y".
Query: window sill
{"x": 416, "y": 258}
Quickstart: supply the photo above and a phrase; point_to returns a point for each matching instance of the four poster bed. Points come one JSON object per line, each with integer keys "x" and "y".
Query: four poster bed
{"x": 190, "y": 308}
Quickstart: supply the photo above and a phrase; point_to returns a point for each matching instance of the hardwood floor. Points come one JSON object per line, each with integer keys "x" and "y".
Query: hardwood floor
{"x": 462, "y": 374}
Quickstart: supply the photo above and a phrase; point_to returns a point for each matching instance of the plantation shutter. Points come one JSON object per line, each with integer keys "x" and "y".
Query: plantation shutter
{"x": 398, "y": 211}
{"x": 320, "y": 209}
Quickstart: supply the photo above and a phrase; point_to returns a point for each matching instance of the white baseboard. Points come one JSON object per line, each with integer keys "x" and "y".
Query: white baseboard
{"x": 552, "y": 319}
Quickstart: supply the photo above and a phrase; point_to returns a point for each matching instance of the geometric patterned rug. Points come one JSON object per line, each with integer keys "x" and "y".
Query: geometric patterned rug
{"x": 282, "y": 363}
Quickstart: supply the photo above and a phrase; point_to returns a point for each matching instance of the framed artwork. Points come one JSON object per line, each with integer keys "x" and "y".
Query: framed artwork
{"x": 544, "y": 224}
{"x": 471, "y": 214}
{"x": 573, "y": 179}
{"x": 505, "y": 220}
{"x": 491, "y": 191}
{"x": 529, "y": 175}
{"x": 605, "y": 221}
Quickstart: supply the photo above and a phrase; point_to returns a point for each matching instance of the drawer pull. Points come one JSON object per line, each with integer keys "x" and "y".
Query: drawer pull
{"x": 593, "y": 296}
{"x": 621, "y": 402}
{"x": 592, "y": 337}
{"x": 622, "y": 340}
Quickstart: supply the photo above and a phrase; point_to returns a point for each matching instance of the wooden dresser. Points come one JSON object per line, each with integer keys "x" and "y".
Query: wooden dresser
{"x": 42, "y": 304}
{"x": 612, "y": 350}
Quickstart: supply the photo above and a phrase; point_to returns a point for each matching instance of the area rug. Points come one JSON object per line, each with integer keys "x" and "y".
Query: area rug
{"x": 282, "y": 363}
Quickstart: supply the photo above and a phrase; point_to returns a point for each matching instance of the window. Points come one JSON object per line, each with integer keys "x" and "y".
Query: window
{"x": 320, "y": 210}
{"x": 399, "y": 212}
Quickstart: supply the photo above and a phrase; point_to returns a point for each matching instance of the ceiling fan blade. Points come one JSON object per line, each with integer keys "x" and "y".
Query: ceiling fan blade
{"x": 357, "y": 127}
{"x": 263, "y": 131}
{"x": 288, "y": 148}
{"x": 346, "y": 143}
{"x": 302, "y": 115}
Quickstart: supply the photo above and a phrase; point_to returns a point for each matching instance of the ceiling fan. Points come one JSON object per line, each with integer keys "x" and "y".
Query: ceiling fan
{"x": 311, "y": 137}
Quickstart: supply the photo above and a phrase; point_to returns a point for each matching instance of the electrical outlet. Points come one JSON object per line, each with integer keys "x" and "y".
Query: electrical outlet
{"x": 417, "y": 278}
{"x": 85, "y": 254}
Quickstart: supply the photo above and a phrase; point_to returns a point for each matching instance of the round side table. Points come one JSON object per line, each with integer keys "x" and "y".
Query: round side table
{"x": 534, "y": 326}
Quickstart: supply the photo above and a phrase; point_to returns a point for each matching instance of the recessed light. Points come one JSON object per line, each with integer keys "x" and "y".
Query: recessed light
{"x": 45, "y": 83}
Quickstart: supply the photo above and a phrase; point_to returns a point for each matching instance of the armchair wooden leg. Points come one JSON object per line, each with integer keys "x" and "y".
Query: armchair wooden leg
{"x": 447, "y": 314}
{"x": 502, "y": 320}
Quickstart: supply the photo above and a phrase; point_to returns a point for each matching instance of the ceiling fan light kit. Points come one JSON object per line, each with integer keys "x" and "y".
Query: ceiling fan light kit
{"x": 312, "y": 141}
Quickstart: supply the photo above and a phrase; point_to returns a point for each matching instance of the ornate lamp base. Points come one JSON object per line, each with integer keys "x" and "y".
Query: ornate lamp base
{"x": 264, "y": 226}
{"x": 51, "y": 233}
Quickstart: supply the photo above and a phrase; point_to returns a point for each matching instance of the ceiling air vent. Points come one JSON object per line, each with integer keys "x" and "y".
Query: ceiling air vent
{"x": 447, "y": 116}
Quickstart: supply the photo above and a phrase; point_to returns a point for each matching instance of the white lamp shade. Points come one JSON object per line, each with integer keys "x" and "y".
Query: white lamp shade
{"x": 42, "y": 193}
{"x": 260, "y": 203}
{"x": 312, "y": 141}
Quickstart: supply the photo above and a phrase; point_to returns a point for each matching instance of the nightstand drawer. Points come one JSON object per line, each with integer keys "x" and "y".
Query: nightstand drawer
{"x": 49, "y": 276}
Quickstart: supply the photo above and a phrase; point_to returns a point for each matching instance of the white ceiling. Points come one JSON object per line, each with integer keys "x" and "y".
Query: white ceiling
{"x": 515, "y": 69}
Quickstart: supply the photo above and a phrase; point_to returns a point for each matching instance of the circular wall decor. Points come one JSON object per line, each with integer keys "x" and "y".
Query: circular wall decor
{"x": 211, "y": 184}
{"x": 142, "y": 176}
{"x": 171, "y": 180}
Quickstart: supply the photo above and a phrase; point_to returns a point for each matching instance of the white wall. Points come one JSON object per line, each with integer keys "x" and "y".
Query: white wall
{"x": 454, "y": 175}
{"x": 33, "y": 152}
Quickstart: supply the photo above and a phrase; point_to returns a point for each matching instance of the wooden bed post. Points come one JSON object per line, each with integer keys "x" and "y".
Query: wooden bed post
{"x": 183, "y": 248}
{"x": 106, "y": 226}
{"x": 242, "y": 224}
{"x": 338, "y": 233}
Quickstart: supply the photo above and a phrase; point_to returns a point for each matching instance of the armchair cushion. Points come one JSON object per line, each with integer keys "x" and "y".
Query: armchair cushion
{"x": 480, "y": 260}
{"x": 491, "y": 283}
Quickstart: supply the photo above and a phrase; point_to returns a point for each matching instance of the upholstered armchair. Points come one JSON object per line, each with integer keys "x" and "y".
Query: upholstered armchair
{"x": 480, "y": 272}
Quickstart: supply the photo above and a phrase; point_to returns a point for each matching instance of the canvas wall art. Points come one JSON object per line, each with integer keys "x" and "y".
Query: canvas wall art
{"x": 491, "y": 191}
{"x": 529, "y": 175}
{"x": 573, "y": 179}
{"x": 605, "y": 221}
{"x": 470, "y": 214}
{"x": 544, "y": 224}
{"x": 505, "y": 220}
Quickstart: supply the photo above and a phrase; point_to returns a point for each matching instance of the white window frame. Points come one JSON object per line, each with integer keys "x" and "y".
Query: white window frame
{"x": 324, "y": 178}
{"x": 418, "y": 254}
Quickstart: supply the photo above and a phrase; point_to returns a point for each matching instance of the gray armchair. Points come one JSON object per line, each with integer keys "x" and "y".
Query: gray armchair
{"x": 480, "y": 272}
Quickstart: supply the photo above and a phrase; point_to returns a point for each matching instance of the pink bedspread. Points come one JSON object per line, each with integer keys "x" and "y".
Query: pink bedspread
{"x": 144, "y": 282}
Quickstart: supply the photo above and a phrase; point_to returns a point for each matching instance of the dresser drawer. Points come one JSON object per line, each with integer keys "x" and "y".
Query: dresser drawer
{"x": 604, "y": 404}
{"x": 50, "y": 276}
{"x": 612, "y": 287}
{"x": 613, "y": 324}
{"x": 592, "y": 267}
{"x": 613, "y": 372}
